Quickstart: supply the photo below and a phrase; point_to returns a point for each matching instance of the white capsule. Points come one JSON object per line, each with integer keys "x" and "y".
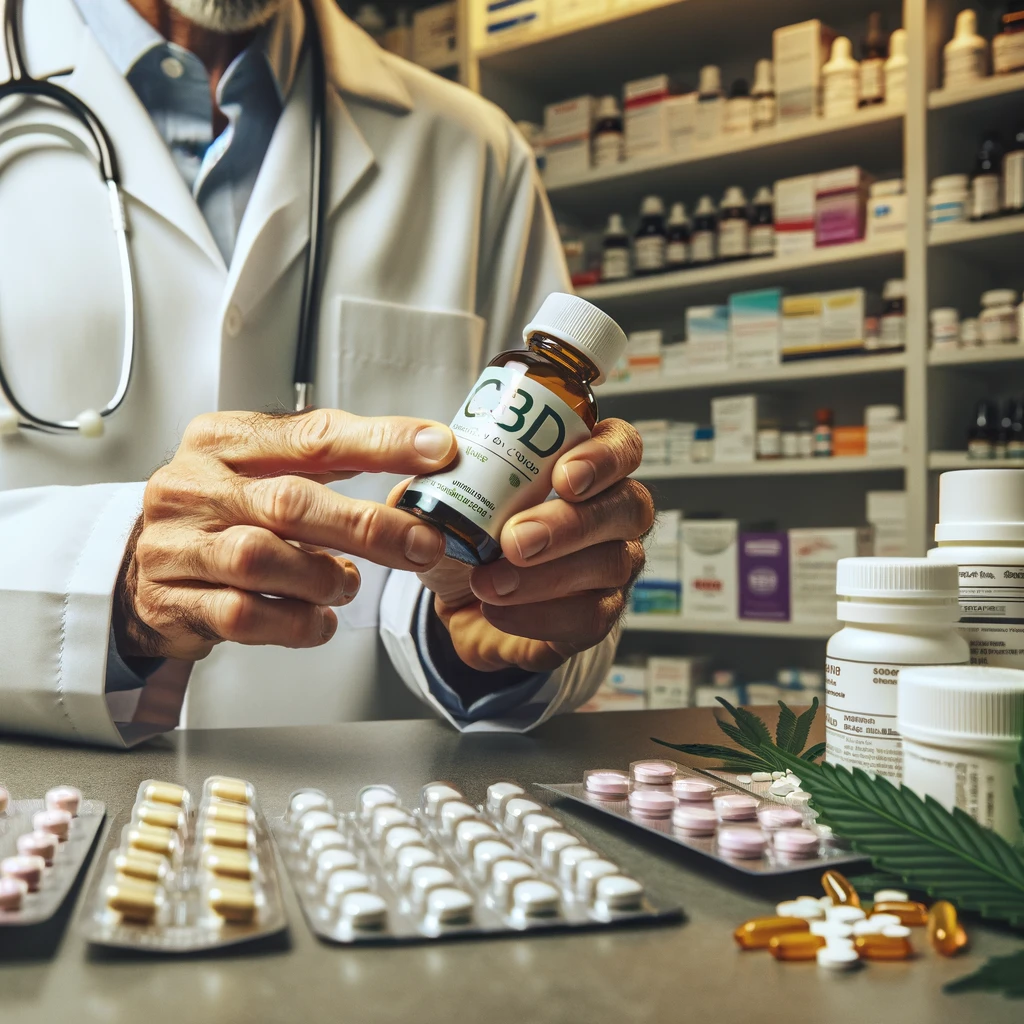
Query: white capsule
{"x": 887, "y": 895}
{"x": 778, "y": 775}
{"x": 782, "y": 787}
{"x": 313, "y": 820}
{"x": 793, "y": 778}
{"x": 761, "y": 776}
{"x": 798, "y": 798}
{"x": 89, "y": 423}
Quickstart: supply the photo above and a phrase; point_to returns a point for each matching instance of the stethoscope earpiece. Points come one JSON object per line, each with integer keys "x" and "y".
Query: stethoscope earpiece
{"x": 9, "y": 422}
{"x": 89, "y": 423}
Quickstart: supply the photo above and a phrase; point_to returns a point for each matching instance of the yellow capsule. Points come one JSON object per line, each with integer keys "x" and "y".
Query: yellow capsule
{"x": 234, "y": 901}
{"x": 166, "y": 793}
{"x": 945, "y": 932}
{"x": 795, "y": 946}
{"x": 141, "y": 864}
{"x": 135, "y": 900}
{"x": 227, "y": 833}
{"x": 236, "y": 790}
{"x": 161, "y": 815}
{"x": 758, "y": 933}
{"x": 838, "y": 889}
{"x": 909, "y": 912}
{"x": 229, "y": 863}
{"x": 156, "y": 840}
{"x": 224, "y": 810}
{"x": 883, "y": 947}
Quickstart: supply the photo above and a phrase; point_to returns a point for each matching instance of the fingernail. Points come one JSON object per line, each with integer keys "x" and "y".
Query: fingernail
{"x": 422, "y": 545}
{"x": 504, "y": 578}
{"x": 328, "y": 624}
{"x": 433, "y": 442}
{"x": 352, "y": 581}
{"x": 580, "y": 476}
{"x": 531, "y": 538}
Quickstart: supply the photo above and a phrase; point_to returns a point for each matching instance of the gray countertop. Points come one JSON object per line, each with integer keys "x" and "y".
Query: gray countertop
{"x": 682, "y": 972}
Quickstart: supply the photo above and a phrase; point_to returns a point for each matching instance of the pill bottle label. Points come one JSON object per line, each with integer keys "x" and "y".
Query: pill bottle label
{"x": 1013, "y": 179}
{"x": 733, "y": 236}
{"x": 703, "y": 246}
{"x": 981, "y": 786}
{"x": 615, "y": 264}
{"x": 985, "y": 195}
{"x": 893, "y": 331}
{"x": 946, "y": 212}
{"x": 1008, "y": 52}
{"x": 677, "y": 254}
{"x": 511, "y": 432}
{"x": 896, "y": 85}
{"x": 980, "y": 449}
{"x": 992, "y": 613}
{"x": 998, "y": 326}
{"x": 872, "y": 80}
{"x": 762, "y": 240}
{"x": 607, "y": 148}
{"x": 963, "y": 67}
{"x": 710, "y": 115}
{"x": 764, "y": 111}
{"x": 650, "y": 253}
{"x": 840, "y": 94}
{"x": 860, "y": 716}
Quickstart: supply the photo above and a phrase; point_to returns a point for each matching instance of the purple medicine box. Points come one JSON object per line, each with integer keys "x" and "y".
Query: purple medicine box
{"x": 764, "y": 576}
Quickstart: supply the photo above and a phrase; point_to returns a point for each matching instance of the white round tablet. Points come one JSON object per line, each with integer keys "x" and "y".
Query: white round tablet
{"x": 837, "y": 958}
{"x": 400, "y": 837}
{"x": 845, "y": 914}
{"x": 505, "y": 876}
{"x": 469, "y": 833}
{"x": 570, "y": 859}
{"x": 435, "y": 794}
{"x": 307, "y": 800}
{"x": 487, "y": 853}
{"x": 499, "y": 793}
{"x": 518, "y": 808}
{"x": 448, "y": 905}
{"x": 364, "y": 910}
{"x": 588, "y": 873}
{"x": 533, "y": 827}
{"x": 372, "y": 797}
{"x": 618, "y": 892}
{"x": 552, "y": 844}
{"x": 385, "y": 817}
{"x": 534, "y": 897}
{"x": 411, "y": 857}
{"x": 453, "y": 812}
{"x": 423, "y": 879}
{"x": 341, "y": 883}
{"x": 888, "y": 895}
{"x": 334, "y": 860}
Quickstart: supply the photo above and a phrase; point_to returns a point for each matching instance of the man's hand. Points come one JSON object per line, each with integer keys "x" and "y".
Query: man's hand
{"x": 568, "y": 563}
{"x": 230, "y": 542}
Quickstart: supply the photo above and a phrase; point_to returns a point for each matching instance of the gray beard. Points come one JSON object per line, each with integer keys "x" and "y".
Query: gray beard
{"x": 228, "y": 15}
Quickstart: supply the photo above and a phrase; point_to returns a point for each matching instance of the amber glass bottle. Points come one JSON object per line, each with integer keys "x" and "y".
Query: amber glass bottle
{"x": 527, "y": 409}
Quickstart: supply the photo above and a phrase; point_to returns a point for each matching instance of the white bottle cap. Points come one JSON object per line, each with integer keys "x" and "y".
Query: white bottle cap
{"x": 705, "y": 207}
{"x": 950, "y": 183}
{"x": 886, "y": 187}
{"x": 764, "y": 76}
{"x": 966, "y": 24}
{"x": 898, "y": 44}
{"x": 998, "y": 297}
{"x": 678, "y": 214}
{"x": 944, "y": 316}
{"x": 615, "y": 225}
{"x": 652, "y": 206}
{"x": 841, "y": 58}
{"x": 891, "y": 590}
{"x": 970, "y": 703}
{"x": 764, "y": 197}
{"x": 710, "y": 80}
{"x": 607, "y": 107}
{"x": 583, "y": 326}
{"x": 981, "y": 505}
{"x": 894, "y": 288}
{"x": 734, "y": 196}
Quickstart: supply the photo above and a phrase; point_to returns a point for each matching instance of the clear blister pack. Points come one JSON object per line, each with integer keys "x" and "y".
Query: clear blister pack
{"x": 753, "y": 830}
{"x": 443, "y": 867}
{"x": 189, "y": 875}
{"x": 43, "y": 845}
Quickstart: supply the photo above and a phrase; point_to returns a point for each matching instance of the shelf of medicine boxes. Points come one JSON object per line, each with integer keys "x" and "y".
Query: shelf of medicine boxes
{"x": 984, "y": 354}
{"x": 1000, "y": 239}
{"x": 776, "y": 149}
{"x": 770, "y": 467}
{"x": 650, "y": 623}
{"x": 838, "y": 264}
{"x": 961, "y": 460}
{"x": 804, "y": 369}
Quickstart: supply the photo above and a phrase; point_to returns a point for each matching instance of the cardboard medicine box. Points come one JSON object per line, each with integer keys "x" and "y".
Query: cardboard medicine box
{"x": 764, "y": 576}
{"x": 709, "y": 569}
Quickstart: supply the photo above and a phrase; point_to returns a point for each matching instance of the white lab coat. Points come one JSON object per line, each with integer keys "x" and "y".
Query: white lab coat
{"x": 440, "y": 246}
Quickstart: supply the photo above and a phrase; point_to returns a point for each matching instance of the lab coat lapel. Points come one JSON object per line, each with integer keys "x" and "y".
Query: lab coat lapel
{"x": 148, "y": 172}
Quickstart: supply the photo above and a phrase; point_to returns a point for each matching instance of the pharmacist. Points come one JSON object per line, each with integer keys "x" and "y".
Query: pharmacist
{"x": 212, "y": 582}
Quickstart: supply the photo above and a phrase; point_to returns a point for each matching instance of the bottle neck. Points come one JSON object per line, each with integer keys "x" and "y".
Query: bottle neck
{"x": 565, "y": 356}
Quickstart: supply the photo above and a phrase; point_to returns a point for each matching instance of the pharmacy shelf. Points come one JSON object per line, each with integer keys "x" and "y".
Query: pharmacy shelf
{"x": 750, "y": 159}
{"x": 997, "y": 241}
{"x": 771, "y": 467}
{"x": 985, "y": 355}
{"x": 960, "y": 460}
{"x": 987, "y": 89}
{"x": 681, "y": 624}
{"x": 835, "y": 262}
{"x": 807, "y": 369}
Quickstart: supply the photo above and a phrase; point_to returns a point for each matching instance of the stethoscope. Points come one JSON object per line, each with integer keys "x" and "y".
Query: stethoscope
{"x": 90, "y": 423}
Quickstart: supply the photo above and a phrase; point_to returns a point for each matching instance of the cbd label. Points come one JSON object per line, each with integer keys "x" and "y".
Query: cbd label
{"x": 511, "y": 431}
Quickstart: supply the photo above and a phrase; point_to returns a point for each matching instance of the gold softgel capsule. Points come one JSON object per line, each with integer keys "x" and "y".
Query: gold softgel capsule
{"x": 166, "y": 793}
{"x": 135, "y": 900}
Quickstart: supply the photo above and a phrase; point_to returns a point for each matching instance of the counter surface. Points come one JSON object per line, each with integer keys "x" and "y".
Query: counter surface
{"x": 681, "y": 972}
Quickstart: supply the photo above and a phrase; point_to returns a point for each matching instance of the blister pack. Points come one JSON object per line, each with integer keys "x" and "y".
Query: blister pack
{"x": 187, "y": 877}
{"x": 43, "y": 845}
{"x": 758, "y": 833}
{"x": 445, "y": 867}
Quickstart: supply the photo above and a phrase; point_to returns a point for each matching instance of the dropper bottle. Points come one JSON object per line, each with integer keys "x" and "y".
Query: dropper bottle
{"x": 872, "y": 65}
{"x": 896, "y": 69}
{"x": 763, "y": 94}
{"x": 677, "y": 250}
{"x": 704, "y": 236}
{"x": 615, "y": 255}
{"x": 964, "y": 57}
{"x": 710, "y": 103}
{"x": 841, "y": 80}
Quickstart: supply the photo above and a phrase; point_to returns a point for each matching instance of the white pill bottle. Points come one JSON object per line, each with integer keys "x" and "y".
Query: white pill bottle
{"x": 898, "y": 612}
{"x": 961, "y": 729}
{"x": 981, "y": 530}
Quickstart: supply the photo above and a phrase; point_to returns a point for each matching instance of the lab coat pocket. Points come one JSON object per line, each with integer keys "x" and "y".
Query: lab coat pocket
{"x": 384, "y": 359}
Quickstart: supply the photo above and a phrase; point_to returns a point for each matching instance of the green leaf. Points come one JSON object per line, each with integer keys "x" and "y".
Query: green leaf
{"x": 1000, "y": 974}
{"x": 813, "y": 753}
{"x": 784, "y": 730}
{"x": 872, "y": 881}
{"x": 1019, "y": 788}
{"x": 945, "y": 854}
{"x": 732, "y": 760}
{"x": 802, "y": 729}
{"x": 749, "y": 724}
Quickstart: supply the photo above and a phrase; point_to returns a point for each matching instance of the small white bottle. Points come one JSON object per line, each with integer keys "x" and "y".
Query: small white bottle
{"x": 710, "y": 104}
{"x": 607, "y": 143}
{"x": 841, "y": 81}
{"x": 615, "y": 261}
{"x": 898, "y": 612}
{"x": 964, "y": 57}
{"x": 763, "y": 94}
{"x": 733, "y": 225}
{"x": 896, "y": 69}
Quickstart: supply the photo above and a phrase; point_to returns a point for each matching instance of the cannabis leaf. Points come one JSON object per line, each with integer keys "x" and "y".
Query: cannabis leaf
{"x": 1001, "y": 973}
{"x": 1018, "y": 790}
{"x": 748, "y": 731}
